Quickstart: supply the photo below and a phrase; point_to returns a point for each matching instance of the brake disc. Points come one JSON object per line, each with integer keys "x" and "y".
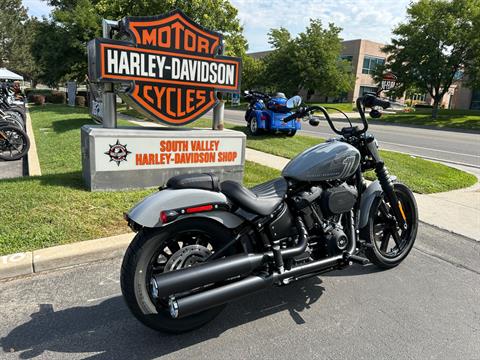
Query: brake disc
{"x": 186, "y": 257}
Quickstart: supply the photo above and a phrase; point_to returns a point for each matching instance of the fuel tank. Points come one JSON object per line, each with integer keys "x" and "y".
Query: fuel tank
{"x": 331, "y": 160}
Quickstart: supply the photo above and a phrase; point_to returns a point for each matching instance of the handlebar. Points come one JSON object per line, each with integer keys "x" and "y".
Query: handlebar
{"x": 367, "y": 100}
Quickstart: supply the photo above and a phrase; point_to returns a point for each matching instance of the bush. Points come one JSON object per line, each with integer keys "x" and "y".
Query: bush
{"x": 30, "y": 93}
{"x": 80, "y": 100}
{"x": 57, "y": 97}
{"x": 38, "y": 99}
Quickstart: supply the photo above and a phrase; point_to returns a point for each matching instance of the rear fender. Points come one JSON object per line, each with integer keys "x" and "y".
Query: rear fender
{"x": 147, "y": 212}
{"x": 262, "y": 117}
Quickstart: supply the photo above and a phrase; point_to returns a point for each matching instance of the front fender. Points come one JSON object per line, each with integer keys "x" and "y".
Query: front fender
{"x": 147, "y": 212}
{"x": 373, "y": 191}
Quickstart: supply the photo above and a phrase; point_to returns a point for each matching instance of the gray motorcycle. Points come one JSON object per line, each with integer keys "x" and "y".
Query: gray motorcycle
{"x": 201, "y": 244}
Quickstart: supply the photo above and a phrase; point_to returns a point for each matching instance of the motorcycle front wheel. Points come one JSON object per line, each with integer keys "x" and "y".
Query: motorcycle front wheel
{"x": 390, "y": 246}
{"x": 154, "y": 251}
{"x": 14, "y": 142}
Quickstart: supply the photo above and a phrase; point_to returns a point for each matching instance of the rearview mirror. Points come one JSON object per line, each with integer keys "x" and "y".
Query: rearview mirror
{"x": 294, "y": 102}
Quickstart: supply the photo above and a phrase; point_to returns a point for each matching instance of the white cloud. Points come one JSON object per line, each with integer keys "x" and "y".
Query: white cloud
{"x": 366, "y": 19}
{"x": 37, "y": 8}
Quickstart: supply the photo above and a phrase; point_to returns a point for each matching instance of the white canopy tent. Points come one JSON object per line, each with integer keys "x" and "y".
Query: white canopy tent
{"x": 6, "y": 74}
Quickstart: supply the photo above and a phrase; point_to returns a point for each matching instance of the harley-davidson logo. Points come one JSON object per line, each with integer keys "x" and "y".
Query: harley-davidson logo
{"x": 118, "y": 152}
{"x": 173, "y": 63}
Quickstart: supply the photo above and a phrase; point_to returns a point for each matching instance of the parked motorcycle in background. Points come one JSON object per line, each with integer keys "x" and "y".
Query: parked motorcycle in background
{"x": 14, "y": 142}
{"x": 266, "y": 113}
{"x": 201, "y": 244}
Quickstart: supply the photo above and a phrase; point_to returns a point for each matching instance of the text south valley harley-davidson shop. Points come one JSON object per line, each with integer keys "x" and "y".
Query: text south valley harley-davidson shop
{"x": 134, "y": 153}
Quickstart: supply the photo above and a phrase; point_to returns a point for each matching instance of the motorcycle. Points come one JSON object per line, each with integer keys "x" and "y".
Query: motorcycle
{"x": 14, "y": 142}
{"x": 266, "y": 113}
{"x": 201, "y": 244}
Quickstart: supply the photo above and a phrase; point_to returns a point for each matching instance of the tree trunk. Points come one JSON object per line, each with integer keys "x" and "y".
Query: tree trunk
{"x": 436, "y": 103}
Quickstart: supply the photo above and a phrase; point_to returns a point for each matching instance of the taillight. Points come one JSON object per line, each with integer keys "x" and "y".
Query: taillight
{"x": 168, "y": 215}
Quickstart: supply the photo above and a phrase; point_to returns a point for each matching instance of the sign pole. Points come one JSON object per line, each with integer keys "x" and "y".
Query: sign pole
{"x": 218, "y": 113}
{"x": 108, "y": 98}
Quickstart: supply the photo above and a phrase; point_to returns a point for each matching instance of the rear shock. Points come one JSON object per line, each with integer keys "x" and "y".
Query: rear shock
{"x": 388, "y": 188}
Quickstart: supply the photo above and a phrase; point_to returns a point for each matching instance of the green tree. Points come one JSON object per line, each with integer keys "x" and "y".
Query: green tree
{"x": 78, "y": 21}
{"x": 310, "y": 61}
{"x": 15, "y": 38}
{"x": 439, "y": 40}
{"x": 252, "y": 73}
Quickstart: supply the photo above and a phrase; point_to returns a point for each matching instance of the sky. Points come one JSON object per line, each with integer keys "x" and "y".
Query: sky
{"x": 365, "y": 19}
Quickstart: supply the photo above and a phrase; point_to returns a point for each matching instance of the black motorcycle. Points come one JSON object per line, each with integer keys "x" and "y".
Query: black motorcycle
{"x": 201, "y": 244}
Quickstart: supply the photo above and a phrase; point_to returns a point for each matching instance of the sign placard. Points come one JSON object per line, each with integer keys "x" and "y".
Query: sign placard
{"x": 166, "y": 153}
{"x": 389, "y": 81}
{"x": 132, "y": 158}
{"x": 172, "y": 64}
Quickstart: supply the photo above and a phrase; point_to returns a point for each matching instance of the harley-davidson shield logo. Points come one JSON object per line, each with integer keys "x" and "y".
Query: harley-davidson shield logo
{"x": 172, "y": 64}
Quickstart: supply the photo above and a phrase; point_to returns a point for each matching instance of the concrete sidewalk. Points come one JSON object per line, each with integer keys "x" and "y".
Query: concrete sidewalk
{"x": 457, "y": 211}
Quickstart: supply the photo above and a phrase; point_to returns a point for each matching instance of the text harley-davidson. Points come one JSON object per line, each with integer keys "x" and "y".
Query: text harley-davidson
{"x": 201, "y": 244}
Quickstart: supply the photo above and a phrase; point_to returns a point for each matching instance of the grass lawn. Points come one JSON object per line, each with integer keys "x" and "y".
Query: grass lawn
{"x": 422, "y": 176}
{"x": 455, "y": 119}
{"x": 55, "y": 208}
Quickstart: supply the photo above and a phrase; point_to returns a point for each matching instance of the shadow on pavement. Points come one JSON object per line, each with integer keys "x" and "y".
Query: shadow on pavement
{"x": 110, "y": 330}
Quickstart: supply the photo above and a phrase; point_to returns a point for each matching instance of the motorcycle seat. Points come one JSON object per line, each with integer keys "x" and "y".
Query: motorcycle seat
{"x": 204, "y": 181}
{"x": 262, "y": 199}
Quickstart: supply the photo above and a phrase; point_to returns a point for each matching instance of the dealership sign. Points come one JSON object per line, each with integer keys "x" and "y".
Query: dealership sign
{"x": 389, "y": 81}
{"x": 172, "y": 64}
{"x": 154, "y": 153}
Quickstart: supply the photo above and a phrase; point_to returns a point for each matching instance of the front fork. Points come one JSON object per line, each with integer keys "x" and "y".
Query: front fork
{"x": 387, "y": 184}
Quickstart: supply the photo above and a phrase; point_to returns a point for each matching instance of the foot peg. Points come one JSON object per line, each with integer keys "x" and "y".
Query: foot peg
{"x": 358, "y": 259}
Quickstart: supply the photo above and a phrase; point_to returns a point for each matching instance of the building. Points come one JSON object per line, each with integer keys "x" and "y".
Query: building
{"x": 364, "y": 56}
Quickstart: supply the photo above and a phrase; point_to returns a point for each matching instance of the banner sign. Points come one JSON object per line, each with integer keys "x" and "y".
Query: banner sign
{"x": 388, "y": 82}
{"x": 172, "y": 63}
{"x": 153, "y": 153}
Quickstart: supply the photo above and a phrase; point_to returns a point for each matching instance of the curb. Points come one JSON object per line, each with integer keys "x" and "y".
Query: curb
{"x": 56, "y": 257}
{"x": 32, "y": 156}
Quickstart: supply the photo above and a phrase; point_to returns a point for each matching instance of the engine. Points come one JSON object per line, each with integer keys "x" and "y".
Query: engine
{"x": 324, "y": 215}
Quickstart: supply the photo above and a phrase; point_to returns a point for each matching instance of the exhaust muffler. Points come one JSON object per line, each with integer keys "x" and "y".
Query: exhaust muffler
{"x": 241, "y": 265}
{"x": 222, "y": 269}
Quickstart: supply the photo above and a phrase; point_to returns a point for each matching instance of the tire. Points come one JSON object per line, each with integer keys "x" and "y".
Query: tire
{"x": 136, "y": 274}
{"x": 253, "y": 126}
{"x": 291, "y": 133}
{"x": 13, "y": 120}
{"x": 376, "y": 234}
{"x": 16, "y": 114}
{"x": 16, "y": 144}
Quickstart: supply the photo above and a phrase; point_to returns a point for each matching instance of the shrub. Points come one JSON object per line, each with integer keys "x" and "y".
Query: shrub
{"x": 38, "y": 99}
{"x": 80, "y": 100}
{"x": 57, "y": 97}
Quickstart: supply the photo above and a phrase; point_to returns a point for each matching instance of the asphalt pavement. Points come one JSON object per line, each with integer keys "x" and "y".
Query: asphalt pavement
{"x": 426, "y": 308}
{"x": 442, "y": 145}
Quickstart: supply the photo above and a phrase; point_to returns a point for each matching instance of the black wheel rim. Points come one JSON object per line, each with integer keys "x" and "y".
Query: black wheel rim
{"x": 12, "y": 143}
{"x": 167, "y": 249}
{"x": 390, "y": 241}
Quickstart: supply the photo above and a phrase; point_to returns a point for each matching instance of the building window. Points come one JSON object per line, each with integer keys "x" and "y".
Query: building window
{"x": 349, "y": 58}
{"x": 367, "y": 89}
{"x": 370, "y": 63}
{"x": 475, "y": 105}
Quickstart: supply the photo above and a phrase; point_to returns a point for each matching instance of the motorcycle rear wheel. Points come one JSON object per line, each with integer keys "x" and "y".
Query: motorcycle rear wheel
{"x": 151, "y": 251}
{"x": 387, "y": 248}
